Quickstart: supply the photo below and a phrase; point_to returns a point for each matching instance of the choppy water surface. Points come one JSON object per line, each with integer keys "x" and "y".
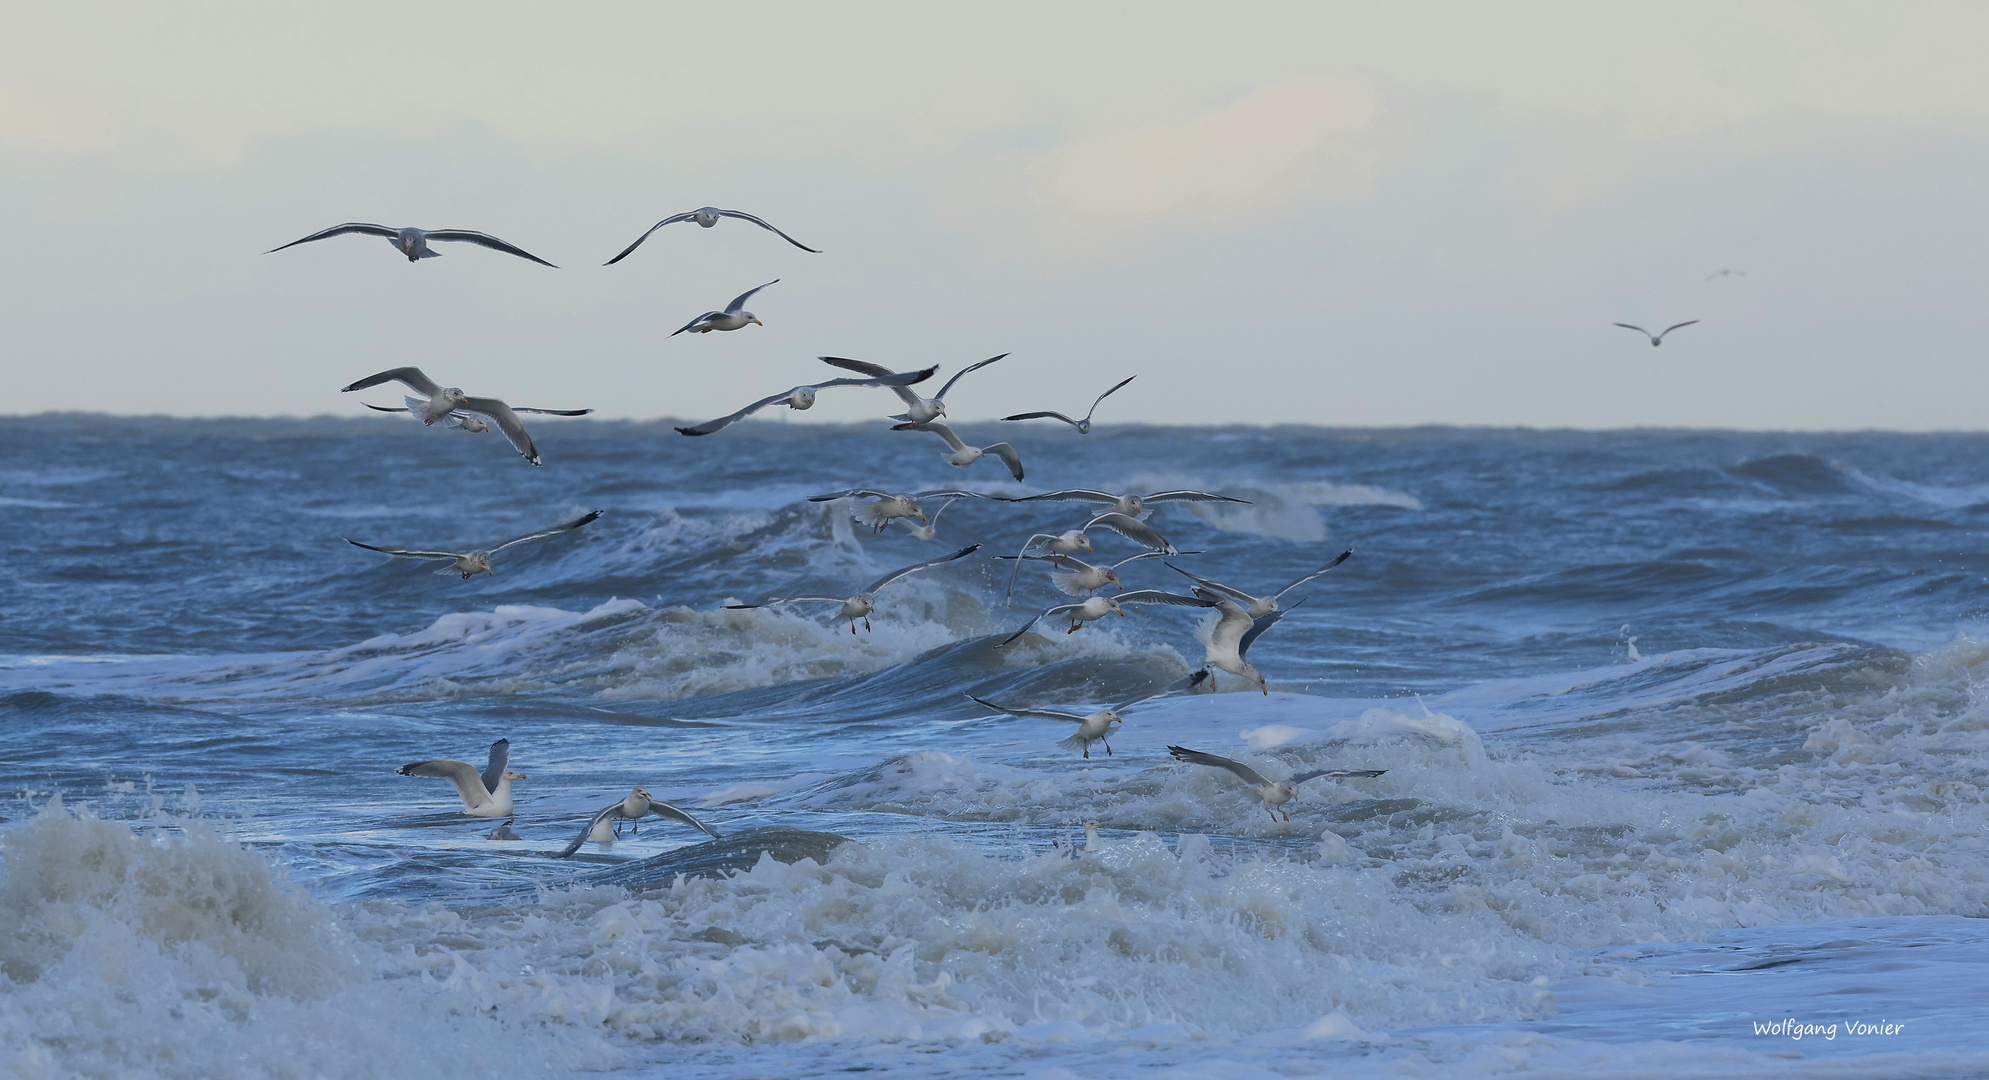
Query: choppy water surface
{"x": 1682, "y": 733}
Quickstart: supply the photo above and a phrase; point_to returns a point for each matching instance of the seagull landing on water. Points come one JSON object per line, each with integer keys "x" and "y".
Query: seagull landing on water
{"x": 886, "y": 507}
{"x": 802, "y": 398}
{"x": 486, "y": 794}
{"x": 862, "y": 604}
{"x": 1657, "y": 338}
{"x": 1083, "y": 426}
{"x": 733, "y": 317}
{"x": 472, "y": 563}
{"x": 1094, "y": 608}
{"x": 918, "y": 410}
{"x": 1130, "y": 505}
{"x": 708, "y": 216}
{"x": 440, "y": 402}
{"x": 1259, "y": 606}
{"x": 413, "y": 243}
{"x": 1274, "y": 793}
{"x": 1095, "y": 727}
{"x": 960, "y": 454}
{"x": 637, "y": 805}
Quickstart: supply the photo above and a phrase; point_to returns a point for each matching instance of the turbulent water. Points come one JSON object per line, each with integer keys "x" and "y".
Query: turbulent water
{"x": 1683, "y": 739}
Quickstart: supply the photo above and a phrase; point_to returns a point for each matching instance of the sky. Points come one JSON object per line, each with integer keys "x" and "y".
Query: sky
{"x": 1347, "y": 214}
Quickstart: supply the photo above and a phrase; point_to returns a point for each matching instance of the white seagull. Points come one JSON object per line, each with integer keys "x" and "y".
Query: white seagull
{"x": 1259, "y": 606}
{"x": 733, "y": 317}
{"x": 413, "y": 243}
{"x": 468, "y": 423}
{"x": 1080, "y": 578}
{"x": 862, "y": 604}
{"x": 918, "y": 410}
{"x": 962, "y": 455}
{"x": 886, "y": 506}
{"x": 472, "y": 563}
{"x": 931, "y": 528}
{"x": 485, "y": 794}
{"x": 708, "y": 216}
{"x": 1060, "y": 546}
{"x": 1129, "y": 505}
{"x": 1274, "y": 793}
{"x": 1657, "y": 338}
{"x": 637, "y": 805}
{"x": 441, "y": 402}
{"x": 1083, "y": 426}
{"x": 1225, "y": 643}
{"x": 802, "y": 398}
{"x": 1097, "y": 726}
{"x": 1093, "y": 608}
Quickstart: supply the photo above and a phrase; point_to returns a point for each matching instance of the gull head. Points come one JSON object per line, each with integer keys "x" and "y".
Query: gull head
{"x": 751, "y": 318}
{"x": 509, "y": 775}
{"x": 1137, "y": 504}
{"x": 1113, "y": 606}
{"x": 1112, "y": 577}
{"x": 454, "y": 395}
{"x": 802, "y": 398}
{"x": 706, "y": 216}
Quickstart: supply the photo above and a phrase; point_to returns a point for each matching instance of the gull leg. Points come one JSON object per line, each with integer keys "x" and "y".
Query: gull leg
{"x": 1087, "y": 751}
{"x": 1108, "y": 748}
{"x": 866, "y": 624}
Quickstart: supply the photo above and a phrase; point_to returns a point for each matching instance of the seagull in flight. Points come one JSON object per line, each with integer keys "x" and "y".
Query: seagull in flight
{"x": 1094, "y": 608}
{"x": 862, "y": 604}
{"x": 802, "y": 398}
{"x": 1059, "y": 547}
{"x": 1259, "y": 606}
{"x": 486, "y": 794}
{"x": 919, "y": 410}
{"x": 733, "y": 317}
{"x": 1729, "y": 272}
{"x": 1080, "y": 578}
{"x": 413, "y": 243}
{"x": 1130, "y": 505}
{"x": 439, "y": 402}
{"x": 1083, "y": 426}
{"x": 469, "y": 423}
{"x": 930, "y": 529}
{"x": 1657, "y": 338}
{"x": 1225, "y": 643}
{"x": 1095, "y": 727}
{"x": 708, "y": 216}
{"x": 886, "y": 507}
{"x": 472, "y": 563}
{"x": 960, "y": 454}
{"x": 637, "y": 805}
{"x": 1274, "y": 793}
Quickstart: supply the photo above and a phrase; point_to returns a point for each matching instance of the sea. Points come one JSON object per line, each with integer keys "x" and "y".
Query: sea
{"x": 1685, "y": 738}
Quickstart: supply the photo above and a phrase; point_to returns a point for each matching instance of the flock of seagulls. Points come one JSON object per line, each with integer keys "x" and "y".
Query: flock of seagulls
{"x": 1240, "y": 618}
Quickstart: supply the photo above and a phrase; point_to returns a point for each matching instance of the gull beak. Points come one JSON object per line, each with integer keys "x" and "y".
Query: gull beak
{"x": 920, "y": 514}
{"x": 489, "y": 571}
{"x": 1121, "y": 612}
{"x": 757, "y": 322}
{"x": 521, "y": 776}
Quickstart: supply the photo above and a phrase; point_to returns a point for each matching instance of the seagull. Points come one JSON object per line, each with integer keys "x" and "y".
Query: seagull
{"x": 802, "y": 398}
{"x": 413, "y": 243}
{"x": 1095, "y": 727}
{"x": 886, "y": 506}
{"x": 1097, "y": 607}
{"x": 505, "y": 832}
{"x": 708, "y": 216}
{"x": 1083, "y": 426}
{"x": 1129, "y": 505}
{"x": 467, "y": 422}
{"x": 1658, "y": 338}
{"x": 1259, "y": 606}
{"x": 963, "y": 455}
{"x": 931, "y": 528}
{"x": 472, "y": 563}
{"x": 1060, "y": 546}
{"x": 1273, "y": 794}
{"x": 732, "y": 318}
{"x": 1086, "y": 578}
{"x": 637, "y": 805}
{"x": 862, "y": 604}
{"x": 445, "y": 400}
{"x": 1225, "y": 643}
{"x": 1729, "y": 272}
{"x": 486, "y": 794}
{"x": 919, "y": 410}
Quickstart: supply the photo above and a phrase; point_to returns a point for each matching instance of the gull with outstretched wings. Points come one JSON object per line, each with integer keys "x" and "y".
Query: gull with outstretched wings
{"x": 484, "y": 794}
{"x": 918, "y": 410}
{"x": 413, "y": 243}
{"x": 439, "y": 402}
{"x": 637, "y": 805}
{"x": 1259, "y": 606}
{"x": 1097, "y": 726}
{"x": 960, "y": 454}
{"x": 472, "y": 563}
{"x": 885, "y": 507}
{"x": 802, "y": 398}
{"x": 733, "y": 317}
{"x": 1275, "y": 793}
{"x": 1094, "y": 608}
{"x": 1083, "y": 426}
{"x": 863, "y": 603}
{"x": 1129, "y": 505}
{"x": 708, "y": 216}
{"x": 1657, "y": 338}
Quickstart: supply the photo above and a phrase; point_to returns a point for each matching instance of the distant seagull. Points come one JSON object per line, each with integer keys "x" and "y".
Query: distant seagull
{"x": 708, "y": 216}
{"x": 931, "y": 528}
{"x": 471, "y": 563}
{"x": 732, "y": 318}
{"x": 1726, "y": 273}
{"x": 1274, "y": 794}
{"x": 444, "y": 400}
{"x": 485, "y": 794}
{"x": 1129, "y": 505}
{"x": 1232, "y": 635}
{"x": 1097, "y": 607}
{"x": 505, "y": 832}
{"x": 1658, "y": 338}
{"x": 960, "y": 454}
{"x": 803, "y": 398}
{"x": 413, "y": 243}
{"x": 919, "y": 410}
{"x": 1259, "y": 606}
{"x": 886, "y": 507}
{"x": 1083, "y": 426}
{"x": 1097, "y": 726}
{"x": 1060, "y": 546}
{"x": 637, "y": 805}
{"x": 862, "y": 604}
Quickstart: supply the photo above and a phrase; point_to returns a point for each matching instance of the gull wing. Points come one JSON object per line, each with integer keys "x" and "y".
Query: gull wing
{"x": 1139, "y": 532}
{"x": 1633, "y": 326}
{"x": 896, "y": 378}
{"x": 341, "y": 230}
{"x": 460, "y": 773}
{"x": 1066, "y": 495}
{"x": 500, "y": 756}
{"x": 1343, "y": 557}
{"x": 409, "y": 376}
{"x": 724, "y": 422}
{"x": 482, "y": 239}
{"x": 1243, "y": 772}
{"x": 1019, "y": 556}
{"x": 1217, "y": 586}
{"x": 671, "y": 220}
{"x": 775, "y": 601}
{"x": 1039, "y": 714}
{"x": 1046, "y": 613}
{"x": 552, "y": 412}
{"x": 852, "y": 493}
{"x": 915, "y": 567}
{"x": 1258, "y": 626}
{"x": 941, "y": 510}
{"x": 936, "y": 428}
{"x": 1187, "y": 682}
{"x": 1008, "y": 457}
{"x": 739, "y": 302}
{"x": 963, "y": 373}
{"x": 762, "y": 223}
{"x": 507, "y": 422}
{"x": 875, "y": 371}
{"x": 665, "y": 810}
{"x": 580, "y": 839}
{"x": 406, "y": 553}
{"x": 383, "y": 408}
{"x": 1156, "y": 596}
{"x": 693, "y": 322}
{"x": 1675, "y": 326}
{"x": 1300, "y": 778}
{"x": 554, "y": 531}
{"x": 1046, "y": 414}
{"x": 1136, "y": 558}
{"x": 1189, "y": 496}
{"x": 1108, "y": 393}
{"x": 948, "y": 495}
{"x": 1234, "y": 623}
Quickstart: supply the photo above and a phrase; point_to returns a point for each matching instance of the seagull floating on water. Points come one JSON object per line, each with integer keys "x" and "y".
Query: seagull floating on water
{"x": 1259, "y": 606}
{"x": 444, "y": 401}
{"x": 733, "y": 317}
{"x": 1094, "y": 608}
{"x": 1083, "y": 426}
{"x": 486, "y": 794}
{"x": 862, "y": 604}
{"x": 413, "y": 243}
{"x": 919, "y": 410}
{"x": 1657, "y": 338}
{"x": 961, "y": 454}
{"x": 1129, "y": 505}
{"x": 1274, "y": 793}
{"x": 886, "y": 506}
{"x": 472, "y": 563}
{"x": 708, "y": 216}
{"x": 1097, "y": 726}
{"x": 802, "y": 398}
{"x": 637, "y": 805}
